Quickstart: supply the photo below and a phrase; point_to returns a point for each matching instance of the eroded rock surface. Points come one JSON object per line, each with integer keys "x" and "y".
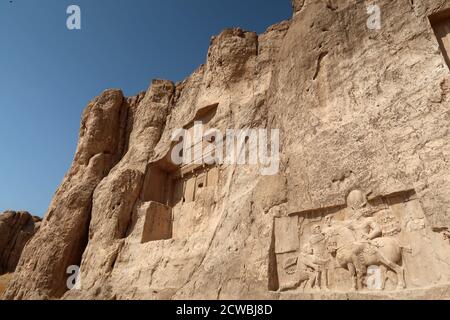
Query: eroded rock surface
{"x": 16, "y": 229}
{"x": 360, "y": 111}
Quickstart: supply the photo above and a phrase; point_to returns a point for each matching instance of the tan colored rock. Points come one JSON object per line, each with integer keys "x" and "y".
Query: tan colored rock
{"x": 4, "y": 280}
{"x": 117, "y": 197}
{"x": 16, "y": 229}
{"x": 63, "y": 234}
{"x": 297, "y": 5}
{"x": 363, "y": 114}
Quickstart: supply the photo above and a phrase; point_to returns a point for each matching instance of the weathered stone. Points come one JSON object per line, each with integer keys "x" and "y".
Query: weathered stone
{"x": 4, "y": 281}
{"x": 16, "y": 229}
{"x": 357, "y": 108}
{"x": 297, "y": 5}
{"x": 63, "y": 235}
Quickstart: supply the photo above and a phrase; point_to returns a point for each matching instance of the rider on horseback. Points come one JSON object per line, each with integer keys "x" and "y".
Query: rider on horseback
{"x": 362, "y": 222}
{"x": 359, "y": 243}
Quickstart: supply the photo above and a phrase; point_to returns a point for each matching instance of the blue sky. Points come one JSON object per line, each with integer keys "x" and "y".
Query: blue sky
{"x": 48, "y": 74}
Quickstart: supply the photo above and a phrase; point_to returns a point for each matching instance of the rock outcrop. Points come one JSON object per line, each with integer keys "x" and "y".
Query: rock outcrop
{"x": 4, "y": 280}
{"x": 360, "y": 111}
{"x": 16, "y": 229}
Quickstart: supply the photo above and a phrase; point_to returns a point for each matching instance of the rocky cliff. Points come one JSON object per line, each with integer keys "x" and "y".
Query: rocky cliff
{"x": 363, "y": 116}
{"x": 16, "y": 229}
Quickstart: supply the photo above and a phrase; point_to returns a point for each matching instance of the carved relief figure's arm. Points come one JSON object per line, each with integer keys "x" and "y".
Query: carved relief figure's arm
{"x": 320, "y": 261}
{"x": 307, "y": 260}
{"x": 376, "y": 230}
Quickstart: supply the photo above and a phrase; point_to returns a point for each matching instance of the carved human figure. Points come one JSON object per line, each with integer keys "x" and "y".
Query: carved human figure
{"x": 362, "y": 222}
{"x": 330, "y": 225}
{"x": 320, "y": 256}
{"x": 305, "y": 270}
{"x": 358, "y": 244}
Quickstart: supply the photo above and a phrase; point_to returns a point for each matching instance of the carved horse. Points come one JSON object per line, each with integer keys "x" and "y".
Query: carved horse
{"x": 356, "y": 256}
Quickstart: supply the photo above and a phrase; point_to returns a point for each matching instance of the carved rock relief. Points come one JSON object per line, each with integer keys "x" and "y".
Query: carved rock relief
{"x": 176, "y": 198}
{"x": 384, "y": 244}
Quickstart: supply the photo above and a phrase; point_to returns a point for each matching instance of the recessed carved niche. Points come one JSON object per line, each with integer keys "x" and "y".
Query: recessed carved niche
{"x": 378, "y": 245}
{"x": 172, "y": 184}
{"x": 167, "y": 185}
{"x": 441, "y": 26}
{"x": 158, "y": 222}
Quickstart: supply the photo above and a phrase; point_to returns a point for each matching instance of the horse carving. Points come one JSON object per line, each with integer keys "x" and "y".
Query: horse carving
{"x": 356, "y": 256}
{"x": 358, "y": 244}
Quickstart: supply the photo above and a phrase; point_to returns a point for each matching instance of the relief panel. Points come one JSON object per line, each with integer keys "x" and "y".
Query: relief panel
{"x": 158, "y": 222}
{"x": 189, "y": 195}
{"x": 381, "y": 244}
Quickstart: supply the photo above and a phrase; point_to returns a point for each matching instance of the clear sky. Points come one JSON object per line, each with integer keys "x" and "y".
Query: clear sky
{"x": 48, "y": 74}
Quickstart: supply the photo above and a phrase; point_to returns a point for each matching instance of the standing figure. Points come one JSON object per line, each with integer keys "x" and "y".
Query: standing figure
{"x": 320, "y": 256}
{"x": 362, "y": 222}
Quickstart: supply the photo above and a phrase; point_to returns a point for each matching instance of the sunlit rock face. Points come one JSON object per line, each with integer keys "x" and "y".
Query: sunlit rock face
{"x": 360, "y": 95}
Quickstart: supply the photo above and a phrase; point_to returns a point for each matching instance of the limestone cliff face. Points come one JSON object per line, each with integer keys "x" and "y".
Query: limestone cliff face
{"x": 373, "y": 105}
{"x": 16, "y": 229}
{"x": 358, "y": 109}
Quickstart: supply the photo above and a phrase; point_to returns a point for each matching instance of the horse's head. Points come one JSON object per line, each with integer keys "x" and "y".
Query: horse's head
{"x": 339, "y": 237}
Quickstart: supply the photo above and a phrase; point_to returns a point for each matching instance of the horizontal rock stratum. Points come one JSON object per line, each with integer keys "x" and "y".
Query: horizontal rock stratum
{"x": 360, "y": 207}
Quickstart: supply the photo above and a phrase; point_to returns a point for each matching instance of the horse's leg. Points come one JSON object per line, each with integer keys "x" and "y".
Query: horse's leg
{"x": 325, "y": 284}
{"x": 304, "y": 284}
{"x": 312, "y": 281}
{"x": 359, "y": 272}
{"x": 360, "y": 279}
{"x": 399, "y": 271}
{"x": 318, "y": 279}
{"x": 352, "y": 270}
{"x": 383, "y": 276}
{"x": 402, "y": 283}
